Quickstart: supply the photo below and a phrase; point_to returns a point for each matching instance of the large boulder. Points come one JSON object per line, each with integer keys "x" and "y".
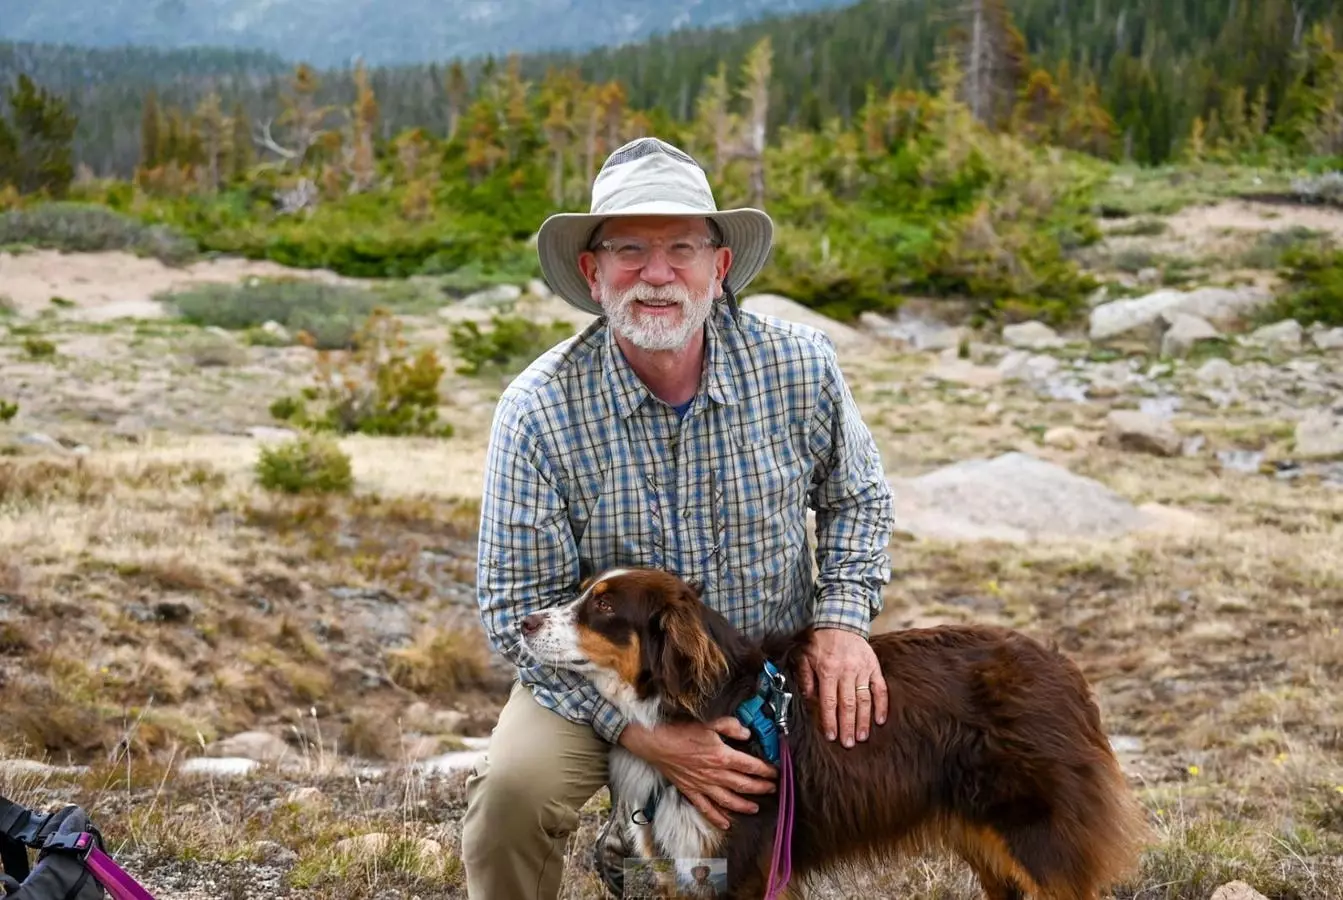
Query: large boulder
{"x": 843, "y": 336}
{"x": 1014, "y": 497}
{"x": 1222, "y": 307}
{"x": 1320, "y": 434}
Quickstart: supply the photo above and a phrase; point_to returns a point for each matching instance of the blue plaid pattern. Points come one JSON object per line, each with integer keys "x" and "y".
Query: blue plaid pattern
{"x": 586, "y": 469}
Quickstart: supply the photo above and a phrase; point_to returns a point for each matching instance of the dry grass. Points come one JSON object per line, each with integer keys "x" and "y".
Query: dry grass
{"x": 154, "y": 599}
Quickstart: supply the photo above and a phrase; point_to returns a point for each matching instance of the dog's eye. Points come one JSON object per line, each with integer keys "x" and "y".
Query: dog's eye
{"x": 603, "y": 606}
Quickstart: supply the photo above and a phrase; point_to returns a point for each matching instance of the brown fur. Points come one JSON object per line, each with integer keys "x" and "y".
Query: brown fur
{"x": 993, "y": 748}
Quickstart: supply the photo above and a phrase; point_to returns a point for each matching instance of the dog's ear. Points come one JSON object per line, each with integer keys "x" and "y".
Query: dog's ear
{"x": 682, "y": 656}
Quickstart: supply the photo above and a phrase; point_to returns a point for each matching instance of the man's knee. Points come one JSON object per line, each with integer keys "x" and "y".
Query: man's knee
{"x": 509, "y": 799}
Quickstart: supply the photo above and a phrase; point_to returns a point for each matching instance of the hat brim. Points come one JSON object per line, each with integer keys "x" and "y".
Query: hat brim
{"x": 563, "y": 236}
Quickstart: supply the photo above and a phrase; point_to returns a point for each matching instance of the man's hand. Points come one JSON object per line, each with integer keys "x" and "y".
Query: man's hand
{"x": 852, "y": 686}
{"x": 708, "y": 772}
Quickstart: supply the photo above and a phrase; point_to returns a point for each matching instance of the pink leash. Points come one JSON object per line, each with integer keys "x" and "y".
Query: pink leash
{"x": 783, "y": 831}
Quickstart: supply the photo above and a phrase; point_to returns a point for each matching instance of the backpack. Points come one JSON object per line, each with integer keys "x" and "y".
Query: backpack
{"x": 71, "y": 862}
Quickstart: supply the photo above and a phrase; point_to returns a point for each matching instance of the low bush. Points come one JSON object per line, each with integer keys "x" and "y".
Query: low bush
{"x": 506, "y": 347}
{"x": 306, "y": 464}
{"x": 328, "y": 314}
{"x": 1314, "y": 287}
{"x": 377, "y": 388}
{"x": 78, "y": 227}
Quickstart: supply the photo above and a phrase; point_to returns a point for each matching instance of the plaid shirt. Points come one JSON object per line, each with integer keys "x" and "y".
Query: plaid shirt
{"x": 586, "y": 469}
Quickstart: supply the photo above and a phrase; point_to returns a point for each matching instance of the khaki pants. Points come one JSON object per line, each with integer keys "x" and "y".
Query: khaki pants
{"x": 523, "y": 799}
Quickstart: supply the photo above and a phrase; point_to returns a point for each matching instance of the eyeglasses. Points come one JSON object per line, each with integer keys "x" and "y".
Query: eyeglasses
{"x": 634, "y": 253}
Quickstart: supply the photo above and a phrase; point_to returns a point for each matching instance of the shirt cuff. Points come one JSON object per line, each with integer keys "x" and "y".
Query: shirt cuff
{"x": 847, "y": 612}
{"x": 608, "y": 721}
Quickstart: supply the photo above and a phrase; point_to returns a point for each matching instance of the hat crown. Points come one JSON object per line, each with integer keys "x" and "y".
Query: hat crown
{"x": 649, "y": 170}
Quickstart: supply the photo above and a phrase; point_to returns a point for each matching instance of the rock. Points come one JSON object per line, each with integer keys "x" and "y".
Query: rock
{"x": 1022, "y": 366}
{"x": 498, "y": 295}
{"x": 1032, "y": 336}
{"x": 911, "y": 333}
{"x": 775, "y": 306}
{"x": 538, "y": 288}
{"x": 1064, "y": 437}
{"x": 1320, "y": 434}
{"x": 37, "y": 439}
{"x": 277, "y": 331}
{"x": 1280, "y": 337}
{"x": 965, "y": 373}
{"x": 1185, "y": 333}
{"x": 1236, "y": 890}
{"x": 261, "y": 746}
{"x": 1331, "y": 339}
{"x": 1128, "y": 429}
{"x": 1219, "y": 306}
{"x": 1216, "y": 371}
{"x": 1014, "y": 497}
{"x": 273, "y": 853}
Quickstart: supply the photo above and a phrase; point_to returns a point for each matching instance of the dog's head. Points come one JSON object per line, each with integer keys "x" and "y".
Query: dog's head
{"x": 640, "y": 629}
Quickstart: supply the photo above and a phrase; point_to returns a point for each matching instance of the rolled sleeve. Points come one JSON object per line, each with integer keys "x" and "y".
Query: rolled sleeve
{"x": 527, "y": 561}
{"x": 854, "y": 512}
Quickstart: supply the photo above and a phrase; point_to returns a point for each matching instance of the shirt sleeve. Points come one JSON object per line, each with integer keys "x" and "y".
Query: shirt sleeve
{"x": 854, "y": 510}
{"x": 527, "y": 560}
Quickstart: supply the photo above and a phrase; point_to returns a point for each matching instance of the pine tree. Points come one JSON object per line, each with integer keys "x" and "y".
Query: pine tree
{"x": 150, "y": 140}
{"x": 43, "y": 130}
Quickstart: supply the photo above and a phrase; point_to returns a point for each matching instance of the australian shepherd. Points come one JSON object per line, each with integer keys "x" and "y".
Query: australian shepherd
{"x": 992, "y": 750}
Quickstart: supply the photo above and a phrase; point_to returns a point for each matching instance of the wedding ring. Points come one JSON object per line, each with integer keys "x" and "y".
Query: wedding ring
{"x": 863, "y": 687}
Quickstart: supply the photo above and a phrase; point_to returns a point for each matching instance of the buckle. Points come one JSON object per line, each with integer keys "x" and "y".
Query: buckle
{"x": 780, "y": 700}
{"x": 80, "y": 843}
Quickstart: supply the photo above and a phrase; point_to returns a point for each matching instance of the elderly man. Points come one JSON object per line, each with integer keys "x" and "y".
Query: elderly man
{"x": 679, "y": 432}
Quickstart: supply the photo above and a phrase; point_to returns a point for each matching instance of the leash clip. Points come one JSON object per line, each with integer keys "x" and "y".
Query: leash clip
{"x": 781, "y": 700}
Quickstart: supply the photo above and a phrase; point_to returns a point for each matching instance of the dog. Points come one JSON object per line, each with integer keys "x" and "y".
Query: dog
{"x": 992, "y": 750}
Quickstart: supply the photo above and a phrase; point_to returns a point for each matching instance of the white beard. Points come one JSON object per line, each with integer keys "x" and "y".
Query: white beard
{"x": 655, "y": 333}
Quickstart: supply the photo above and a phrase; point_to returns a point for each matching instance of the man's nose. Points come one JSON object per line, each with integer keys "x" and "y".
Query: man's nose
{"x": 657, "y": 270}
{"x": 532, "y": 624}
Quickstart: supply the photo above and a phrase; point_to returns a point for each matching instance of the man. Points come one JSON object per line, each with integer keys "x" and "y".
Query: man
{"x": 678, "y": 432}
{"x": 700, "y": 887}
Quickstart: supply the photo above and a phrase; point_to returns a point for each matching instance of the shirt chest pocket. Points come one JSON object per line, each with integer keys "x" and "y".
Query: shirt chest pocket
{"x": 761, "y": 504}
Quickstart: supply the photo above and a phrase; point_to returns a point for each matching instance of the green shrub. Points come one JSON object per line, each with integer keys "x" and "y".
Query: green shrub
{"x": 1314, "y": 277}
{"x": 328, "y": 314}
{"x": 38, "y": 348}
{"x": 7, "y": 307}
{"x": 510, "y": 344}
{"x": 306, "y": 464}
{"x": 377, "y": 388}
{"x": 8, "y": 410}
{"x": 77, "y": 227}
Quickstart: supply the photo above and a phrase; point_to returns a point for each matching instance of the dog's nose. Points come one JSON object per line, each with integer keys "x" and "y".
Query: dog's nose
{"x": 532, "y": 624}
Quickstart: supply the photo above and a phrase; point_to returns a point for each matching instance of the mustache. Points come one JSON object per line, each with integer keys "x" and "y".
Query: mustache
{"x": 673, "y": 292}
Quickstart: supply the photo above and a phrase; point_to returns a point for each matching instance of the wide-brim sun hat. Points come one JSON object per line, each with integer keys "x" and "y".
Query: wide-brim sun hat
{"x": 649, "y": 177}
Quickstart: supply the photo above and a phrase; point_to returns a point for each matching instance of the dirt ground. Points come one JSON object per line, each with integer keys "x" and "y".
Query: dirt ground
{"x": 155, "y": 601}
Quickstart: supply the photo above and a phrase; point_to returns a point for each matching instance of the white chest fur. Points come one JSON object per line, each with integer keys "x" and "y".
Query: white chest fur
{"x": 678, "y": 829}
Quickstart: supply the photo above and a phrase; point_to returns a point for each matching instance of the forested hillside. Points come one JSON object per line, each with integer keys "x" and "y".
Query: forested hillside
{"x": 950, "y": 154}
{"x": 1153, "y": 66}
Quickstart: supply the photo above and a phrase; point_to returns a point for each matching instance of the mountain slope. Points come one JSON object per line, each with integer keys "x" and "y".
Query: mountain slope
{"x": 333, "y": 32}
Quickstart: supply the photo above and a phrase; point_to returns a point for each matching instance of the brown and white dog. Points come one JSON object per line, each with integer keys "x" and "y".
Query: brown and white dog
{"x": 992, "y": 750}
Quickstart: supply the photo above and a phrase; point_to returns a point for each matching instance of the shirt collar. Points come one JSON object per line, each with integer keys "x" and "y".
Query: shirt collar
{"x": 628, "y": 392}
